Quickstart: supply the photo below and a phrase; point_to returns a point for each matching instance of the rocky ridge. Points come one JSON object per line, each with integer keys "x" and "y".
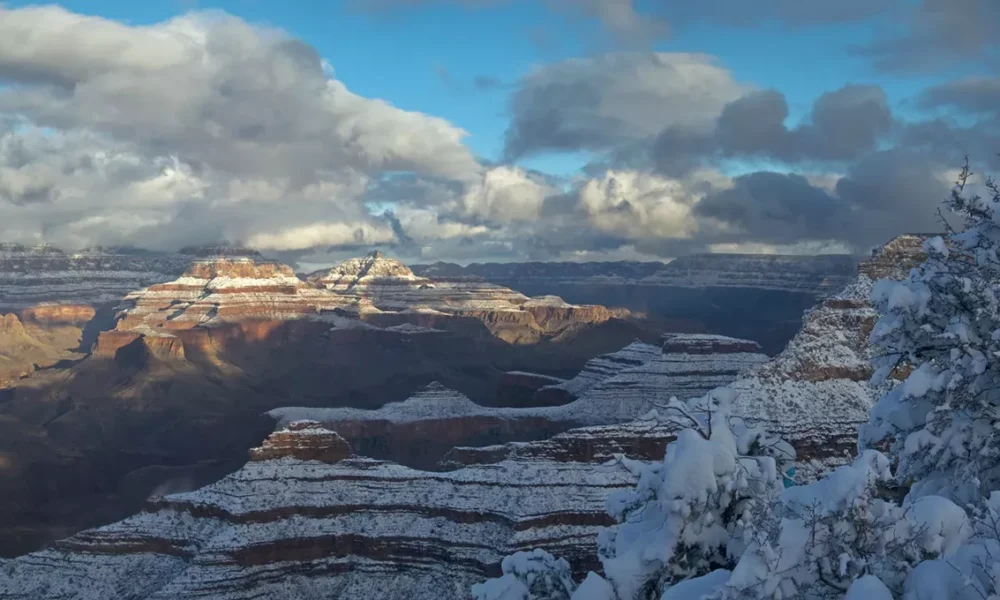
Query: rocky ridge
{"x": 817, "y": 275}
{"x": 390, "y": 285}
{"x": 40, "y": 337}
{"x": 32, "y": 275}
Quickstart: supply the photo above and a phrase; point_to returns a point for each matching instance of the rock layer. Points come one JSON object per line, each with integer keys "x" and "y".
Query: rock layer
{"x": 354, "y": 528}
{"x": 815, "y": 393}
{"x": 39, "y": 339}
{"x": 32, "y": 275}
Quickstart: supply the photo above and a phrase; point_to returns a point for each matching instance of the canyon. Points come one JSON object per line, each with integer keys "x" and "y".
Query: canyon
{"x": 753, "y": 296}
{"x": 406, "y": 429}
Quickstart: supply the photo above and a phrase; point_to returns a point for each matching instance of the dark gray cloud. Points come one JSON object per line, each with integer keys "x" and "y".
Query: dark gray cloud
{"x": 777, "y": 208}
{"x": 979, "y": 95}
{"x": 843, "y": 125}
{"x": 603, "y": 102}
{"x": 883, "y": 195}
{"x": 936, "y": 34}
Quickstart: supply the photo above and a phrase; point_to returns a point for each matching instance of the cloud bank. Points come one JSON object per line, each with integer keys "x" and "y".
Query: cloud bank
{"x": 205, "y": 127}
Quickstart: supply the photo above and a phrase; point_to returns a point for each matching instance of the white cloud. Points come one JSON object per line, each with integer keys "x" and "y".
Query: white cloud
{"x": 322, "y": 234}
{"x": 198, "y": 127}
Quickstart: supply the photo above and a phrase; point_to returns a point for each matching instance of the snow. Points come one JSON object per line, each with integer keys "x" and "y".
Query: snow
{"x": 594, "y": 587}
{"x": 868, "y": 587}
{"x": 411, "y": 328}
{"x": 697, "y": 588}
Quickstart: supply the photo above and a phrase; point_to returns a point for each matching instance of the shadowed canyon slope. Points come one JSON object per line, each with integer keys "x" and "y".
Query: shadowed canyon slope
{"x": 173, "y": 393}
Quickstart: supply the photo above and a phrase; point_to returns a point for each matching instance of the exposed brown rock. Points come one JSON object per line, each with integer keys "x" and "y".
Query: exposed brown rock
{"x": 303, "y": 440}
{"x": 58, "y": 314}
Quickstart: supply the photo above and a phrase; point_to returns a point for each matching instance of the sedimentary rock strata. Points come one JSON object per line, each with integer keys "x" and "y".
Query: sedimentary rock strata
{"x": 355, "y": 528}
{"x": 32, "y": 275}
{"x": 816, "y": 392}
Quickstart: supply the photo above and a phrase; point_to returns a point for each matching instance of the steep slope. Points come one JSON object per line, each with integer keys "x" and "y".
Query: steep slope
{"x": 348, "y": 528}
{"x": 816, "y": 392}
{"x": 42, "y": 337}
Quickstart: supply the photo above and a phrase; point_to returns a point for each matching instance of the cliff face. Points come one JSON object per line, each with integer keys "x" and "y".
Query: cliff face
{"x": 816, "y": 391}
{"x": 391, "y": 286}
{"x": 39, "y": 339}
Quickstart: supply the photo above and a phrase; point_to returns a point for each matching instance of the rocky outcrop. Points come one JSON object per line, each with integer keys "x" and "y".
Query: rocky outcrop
{"x": 597, "y": 370}
{"x": 895, "y": 259}
{"x": 687, "y": 370}
{"x": 639, "y": 440}
{"x": 815, "y": 393}
{"x": 32, "y": 344}
{"x": 58, "y": 314}
{"x": 390, "y": 286}
{"x": 421, "y": 429}
{"x": 303, "y": 440}
{"x": 350, "y": 528}
{"x": 224, "y": 290}
{"x": 33, "y": 275}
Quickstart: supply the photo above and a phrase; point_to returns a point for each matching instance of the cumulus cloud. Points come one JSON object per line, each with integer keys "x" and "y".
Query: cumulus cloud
{"x": 843, "y": 125}
{"x": 195, "y": 127}
{"x": 599, "y": 103}
{"x": 204, "y": 128}
{"x": 884, "y": 194}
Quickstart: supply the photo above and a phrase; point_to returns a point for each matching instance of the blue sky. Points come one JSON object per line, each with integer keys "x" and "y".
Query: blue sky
{"x": 426, "y": 58}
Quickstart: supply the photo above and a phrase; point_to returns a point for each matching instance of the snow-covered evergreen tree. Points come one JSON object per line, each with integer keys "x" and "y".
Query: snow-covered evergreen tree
{"x": 823, "y": 537}
{"x": 534, "y": 575}
{"x": 942, "y": 423}
{"x": 689, "y": 514}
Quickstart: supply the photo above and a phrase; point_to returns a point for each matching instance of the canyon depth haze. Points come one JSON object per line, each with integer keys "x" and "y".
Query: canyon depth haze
{"x": 500, "y": 300}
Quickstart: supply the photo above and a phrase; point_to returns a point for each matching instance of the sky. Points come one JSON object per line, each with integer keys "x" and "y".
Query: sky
{"x": 507, "y": 130}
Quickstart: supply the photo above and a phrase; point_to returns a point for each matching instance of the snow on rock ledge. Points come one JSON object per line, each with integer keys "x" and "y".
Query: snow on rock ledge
{"x": 815, "y": 393}
{"x": 357, "y": 528}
